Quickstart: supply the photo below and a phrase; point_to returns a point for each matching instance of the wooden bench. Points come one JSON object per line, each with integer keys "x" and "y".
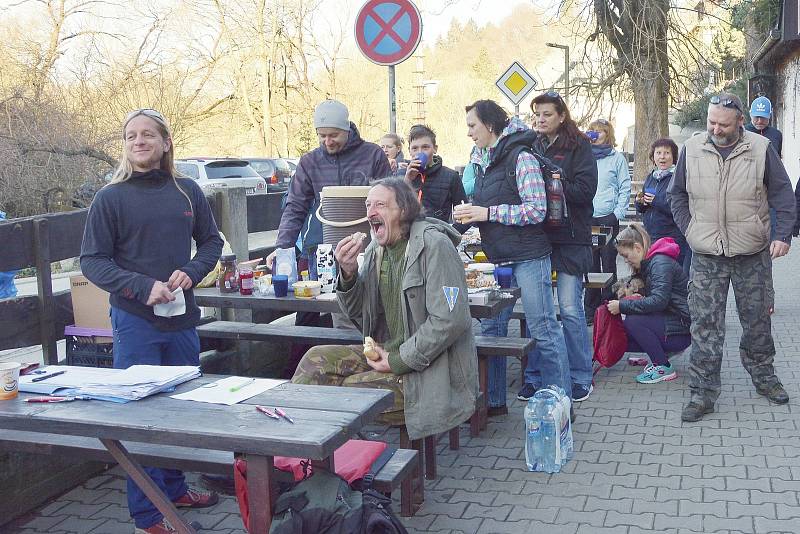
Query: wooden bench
{"x": 486, "y": 346}
{"x": 396, "y": 472}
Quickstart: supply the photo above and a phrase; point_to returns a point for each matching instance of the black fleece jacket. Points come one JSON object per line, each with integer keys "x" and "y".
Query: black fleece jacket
{"x": 140, "y": 231}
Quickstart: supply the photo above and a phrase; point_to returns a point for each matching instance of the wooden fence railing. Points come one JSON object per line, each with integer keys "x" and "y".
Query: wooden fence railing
{"x": 36, "y": 242}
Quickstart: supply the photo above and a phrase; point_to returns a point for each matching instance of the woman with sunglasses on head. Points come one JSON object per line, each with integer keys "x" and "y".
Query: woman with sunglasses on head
{"x": 610, "y": 203}
{"x": 137, "y": 246}
{"x": 509, "y": 207}
{"x": 560, "y": 140}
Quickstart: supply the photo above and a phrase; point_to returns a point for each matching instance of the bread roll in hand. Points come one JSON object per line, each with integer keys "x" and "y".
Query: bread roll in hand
{"x": 369, "y": 349}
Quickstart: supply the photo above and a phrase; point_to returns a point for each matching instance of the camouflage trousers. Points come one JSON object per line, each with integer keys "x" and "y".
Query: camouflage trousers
{"x": 751, "y": 277}
{"x": 346, "y": 365}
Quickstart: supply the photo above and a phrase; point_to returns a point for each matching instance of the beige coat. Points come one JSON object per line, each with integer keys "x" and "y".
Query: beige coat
{"x": 727, "y": 199}
{"x": 439, "y": 346}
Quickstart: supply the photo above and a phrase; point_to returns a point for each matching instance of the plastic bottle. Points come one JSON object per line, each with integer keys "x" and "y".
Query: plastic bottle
{"x": 555, "y": 202}
{"x": 562, "y": 418}
{"x": 550, "y": 442}
{"x": 533, "y": 452}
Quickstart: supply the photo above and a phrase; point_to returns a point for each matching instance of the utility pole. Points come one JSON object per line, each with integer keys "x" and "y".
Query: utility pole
{"x": 565, "y": 48}
{"x": 419, "y": 84}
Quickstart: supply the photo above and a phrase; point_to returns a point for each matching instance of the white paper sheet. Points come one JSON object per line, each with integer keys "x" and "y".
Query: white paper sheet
{"x": 219, "y": 392}
{"x": 174, "y": 308}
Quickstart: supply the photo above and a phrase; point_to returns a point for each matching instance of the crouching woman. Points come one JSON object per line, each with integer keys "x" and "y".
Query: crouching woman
{"x": 657, "y": 323}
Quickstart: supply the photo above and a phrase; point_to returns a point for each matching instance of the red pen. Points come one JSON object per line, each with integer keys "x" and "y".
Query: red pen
{"x": 51, "y": 399}
{"x": 283, "y": 414}
{"x": 267, "y": 412}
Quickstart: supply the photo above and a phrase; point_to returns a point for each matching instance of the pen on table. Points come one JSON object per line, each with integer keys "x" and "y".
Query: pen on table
{"x": 283, "y": 414}
{"x": 45, "y": 377}
{"x": 247, "y": 382}
{"x": 267, "y": 412}
{"x": 54, "y": 399}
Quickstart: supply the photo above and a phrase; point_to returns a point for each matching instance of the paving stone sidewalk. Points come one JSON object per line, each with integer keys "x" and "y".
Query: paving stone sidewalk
{"x": 637, "y": 467}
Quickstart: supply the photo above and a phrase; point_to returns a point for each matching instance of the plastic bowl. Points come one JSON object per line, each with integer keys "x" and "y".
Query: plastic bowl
{"x": 307, "y": 289}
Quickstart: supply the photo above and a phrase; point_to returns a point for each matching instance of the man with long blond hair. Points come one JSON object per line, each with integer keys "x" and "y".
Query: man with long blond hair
{"x": 137, "y": 246}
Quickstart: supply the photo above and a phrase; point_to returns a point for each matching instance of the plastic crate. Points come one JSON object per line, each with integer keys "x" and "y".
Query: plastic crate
{"x": 89, "y": 347}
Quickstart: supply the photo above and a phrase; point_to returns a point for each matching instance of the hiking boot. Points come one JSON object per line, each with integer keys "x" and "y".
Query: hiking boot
{"x": 527, "y": 391}
{"x": 197, "y": 499}
{"x": 223, "y": 484}
{"x": 774, "y": 392}
{"x": 581, "y": 393}
{"x": 653, "y": 374}
{"x": 695, "y": 410}
{"x": 162, "y": 527}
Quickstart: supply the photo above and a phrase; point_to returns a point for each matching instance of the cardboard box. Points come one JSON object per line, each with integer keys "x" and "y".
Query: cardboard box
{"x": 89, "y": 304}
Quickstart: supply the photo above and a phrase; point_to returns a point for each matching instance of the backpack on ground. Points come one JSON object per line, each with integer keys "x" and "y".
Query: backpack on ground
{"x": 323, "y": 502}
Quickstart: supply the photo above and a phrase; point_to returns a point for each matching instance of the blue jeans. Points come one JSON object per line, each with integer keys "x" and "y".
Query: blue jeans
{"x": 550, "y": 354}
{"x": 136, "y": 341}
{"x": 576, "y": 335}
{"x": 498, "y": 327}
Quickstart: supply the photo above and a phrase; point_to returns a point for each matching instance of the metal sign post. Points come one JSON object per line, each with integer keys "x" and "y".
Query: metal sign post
{"x": 392, "y": 102}
{"x": 387, "y": 33}
{"x": 516, "y": 83}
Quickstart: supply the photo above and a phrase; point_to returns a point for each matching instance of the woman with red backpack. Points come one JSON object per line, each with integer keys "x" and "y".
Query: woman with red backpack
{"x": 657, "y": 323}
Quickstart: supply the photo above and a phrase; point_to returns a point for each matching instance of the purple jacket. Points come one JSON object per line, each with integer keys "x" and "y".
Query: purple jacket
{"x": 358, "y": 163}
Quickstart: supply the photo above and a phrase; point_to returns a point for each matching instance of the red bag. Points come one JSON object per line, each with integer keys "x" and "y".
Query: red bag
{"x": 353, "y": 460}
{"x": 608, "y": 337}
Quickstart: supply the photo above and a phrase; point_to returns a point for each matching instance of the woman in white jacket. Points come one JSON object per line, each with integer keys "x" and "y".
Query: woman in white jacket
{"x": 610, "y": 202}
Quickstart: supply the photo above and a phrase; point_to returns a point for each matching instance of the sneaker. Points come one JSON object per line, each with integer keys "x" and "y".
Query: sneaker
{"x": 774, "y": 392}
{"x": 656, "y": 373}
{"x": 223, "y": 484}
{"x": 162, "y": 527}
{"x": 581, "y": 393}
{"x": 197, "y": 499}
{"x": 637, "y": 360}
{"x": 695, "y": 410}
{"x": 527, "y": 391}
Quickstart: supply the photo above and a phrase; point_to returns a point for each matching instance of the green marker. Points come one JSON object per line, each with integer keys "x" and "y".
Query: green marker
{"x": 249, "y": 381}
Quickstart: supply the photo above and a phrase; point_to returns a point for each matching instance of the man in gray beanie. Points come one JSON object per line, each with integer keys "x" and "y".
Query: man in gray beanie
{"x": 342, "y": 158}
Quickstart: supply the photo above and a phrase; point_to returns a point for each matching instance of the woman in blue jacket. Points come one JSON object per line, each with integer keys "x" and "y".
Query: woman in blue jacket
{"x": 610, "y": 202}
{"x": 653, "y": 203}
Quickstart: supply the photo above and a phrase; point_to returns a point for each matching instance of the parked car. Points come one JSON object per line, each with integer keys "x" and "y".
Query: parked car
{"x": 277, "y": 172}
{"x": 214, "y": 173}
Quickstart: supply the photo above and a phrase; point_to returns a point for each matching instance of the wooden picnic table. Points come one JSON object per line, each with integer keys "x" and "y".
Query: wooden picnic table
{"x": 212, "y": 298}
{"x": 325, "y": 418}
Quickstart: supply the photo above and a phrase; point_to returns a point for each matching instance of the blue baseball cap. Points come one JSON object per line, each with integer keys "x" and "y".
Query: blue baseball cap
{"x": 761, "y": 107}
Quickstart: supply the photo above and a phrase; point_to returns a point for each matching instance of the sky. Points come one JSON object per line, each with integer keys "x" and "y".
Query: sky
{"x": 437, "y": 15}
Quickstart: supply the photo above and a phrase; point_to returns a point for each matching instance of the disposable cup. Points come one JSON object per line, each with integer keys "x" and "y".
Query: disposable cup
{"x": 280, "y": 283}
{"x": 9, "y": 380}
{"x": 650, "y": 191}
{"x": 503, "y": 276}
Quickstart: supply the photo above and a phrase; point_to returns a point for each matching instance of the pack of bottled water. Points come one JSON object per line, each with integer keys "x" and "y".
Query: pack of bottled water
{"x": 548, "y": 430}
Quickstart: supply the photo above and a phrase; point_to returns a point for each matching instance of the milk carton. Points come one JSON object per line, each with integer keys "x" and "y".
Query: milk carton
{"x": 326, "y": 267}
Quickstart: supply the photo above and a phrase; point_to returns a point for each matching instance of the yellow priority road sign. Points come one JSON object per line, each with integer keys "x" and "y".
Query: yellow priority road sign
{"x": 516, "y": 83}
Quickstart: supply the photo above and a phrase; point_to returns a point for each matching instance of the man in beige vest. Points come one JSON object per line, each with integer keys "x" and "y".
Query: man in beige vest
{"x": 723, "y": 188}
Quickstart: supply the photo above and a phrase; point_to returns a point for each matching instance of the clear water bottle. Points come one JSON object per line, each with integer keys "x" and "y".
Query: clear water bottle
{"x": 533, "y": 452}
{"x": 562, "y": 419}
{"x": 550, "y": 437}
{"x": 567, "y": 442}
